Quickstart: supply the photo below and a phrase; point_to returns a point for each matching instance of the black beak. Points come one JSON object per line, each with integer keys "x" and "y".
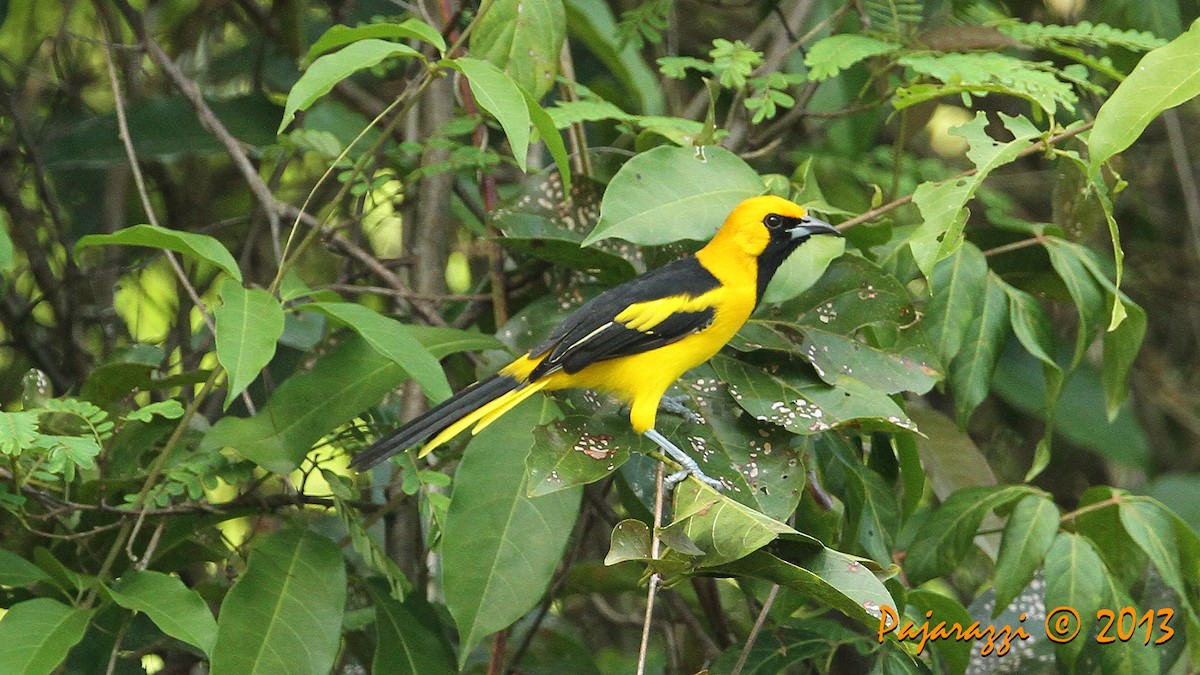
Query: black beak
{"x": 808, "y": 226}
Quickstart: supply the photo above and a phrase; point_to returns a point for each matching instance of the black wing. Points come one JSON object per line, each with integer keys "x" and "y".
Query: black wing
{"x": 593, "y": 334}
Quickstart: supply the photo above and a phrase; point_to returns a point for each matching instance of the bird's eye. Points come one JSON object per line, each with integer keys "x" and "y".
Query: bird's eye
{"x": 773, "y": 221}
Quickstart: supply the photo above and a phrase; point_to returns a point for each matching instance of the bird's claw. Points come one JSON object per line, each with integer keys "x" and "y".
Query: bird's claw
{"x": 675, "y": 404}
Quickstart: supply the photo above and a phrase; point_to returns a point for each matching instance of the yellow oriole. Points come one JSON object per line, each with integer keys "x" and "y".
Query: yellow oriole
{"x": 633, "y": 341}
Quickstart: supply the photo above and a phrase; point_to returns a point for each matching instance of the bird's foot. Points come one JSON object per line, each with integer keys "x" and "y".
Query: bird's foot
{"x": 689, "y": 465}
{"x": 677, "y": 405}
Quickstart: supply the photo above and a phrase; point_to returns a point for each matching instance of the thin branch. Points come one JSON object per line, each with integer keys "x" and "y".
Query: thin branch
{"x": 758, "y": 624}
{"x": 652, "y": 590}
{"x": 897, "y": 203}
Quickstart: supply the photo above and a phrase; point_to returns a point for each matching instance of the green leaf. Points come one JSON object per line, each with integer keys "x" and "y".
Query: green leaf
{"x": 671, "y": 193}
{"x": 803, "y": 268}
{"x": 838, "y": 580}
{"x": 787, "y": 397}
{"x": 943, "y": 205}
{"x": 1069, "y": 263}
{"x": 971, "y": 372}
{"x": 339, "y": 35}
{"x": 284, "y": 613}
{"x": 6, "y": 250}
{"x": 325, "y": 72}
{"x": 409, "y": 637}
{"x": 831, "y": 55}
{"x": 540, "y": 236}
{"x": 498, "y": 94}
{"x": 500, "y": 547}
{"x": 307, "y": 406}
{"x": 17, "y": 571}
{"x": 1074, "y": 578}
{"x": 249, "y": 322}
{"x": 957, "y": 653}
{"x": 857, "y": 323}
{"x": 957, "y": 284}
{"x": 176, "y": 609}
{"x": 170, "y": 409}
{"x": 37, "y": 634}
{"x": 593, "y": 25}
{"x": 1121, "y": 347}
{"x": 872, "y": 511}
{"x": 985, "y": 72}
{"x": 947, "y": 536}
{"x": 1163, "y": 79}
{"x": 523, "y": 38}
{"x": 18, "y": 431}
{"x": 199, "y": 246}
{"x": 722, "y": 529}
{"x": 391, "y": 339}
{"x": 1031, "y": 324}
{"x": 1149, "y": 524}
{"x": 630, "y": 540}
{"x": 590, "y": 441}
{"x": 442, "y": 341}
{"x": 1028, "y": 534}
{"x": 554, "y": 143}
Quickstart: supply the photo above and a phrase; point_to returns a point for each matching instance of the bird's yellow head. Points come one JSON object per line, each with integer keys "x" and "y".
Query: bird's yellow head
{"x": 762, "y": 232}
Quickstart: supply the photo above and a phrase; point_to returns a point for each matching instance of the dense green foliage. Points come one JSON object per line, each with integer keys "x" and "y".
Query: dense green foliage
{"x": 241, "y": 240}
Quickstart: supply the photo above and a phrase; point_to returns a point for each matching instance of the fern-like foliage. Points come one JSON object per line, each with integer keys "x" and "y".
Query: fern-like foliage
{"x": 983, "y": 73}
{"x": 644, "y": 22}
{"x": 894, "y": 18}
{"x": 1082, "y": 34}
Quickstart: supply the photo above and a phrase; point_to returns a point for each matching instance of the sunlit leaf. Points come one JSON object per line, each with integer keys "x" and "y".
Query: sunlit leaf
{"x": 325, "y": 72}
{"x": 498, "y": 94}
{"x": 249, "y": 322}
{"x": 284, "y": 613}
{"x": 670, "y": 193}
{"x": 38, "y": 633}
{"x": 1163, "y": 79}
{"x": 191, "y": 244}
{"x": 177, "y": 610}
{"x": 339, "y": 35}
{"x": 524, "y": 39}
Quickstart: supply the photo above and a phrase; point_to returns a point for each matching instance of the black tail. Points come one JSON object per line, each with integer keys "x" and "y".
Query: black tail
{"x": 431, "y": 423}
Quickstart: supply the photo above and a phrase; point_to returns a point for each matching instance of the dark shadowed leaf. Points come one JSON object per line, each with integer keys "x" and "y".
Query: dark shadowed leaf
{"x": 956, "y": 285}
{"x": 409, "y": 638}
{"x": 947, "y": 536}
{"x": 971, "y": 371}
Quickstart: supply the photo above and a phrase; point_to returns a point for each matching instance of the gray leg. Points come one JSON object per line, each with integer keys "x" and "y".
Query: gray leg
{"x": 675, "y": 404}
{"x": 689, "y": 465}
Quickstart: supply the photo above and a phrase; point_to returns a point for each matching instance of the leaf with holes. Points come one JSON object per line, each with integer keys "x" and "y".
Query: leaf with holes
{"x": 783, "y": 394}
